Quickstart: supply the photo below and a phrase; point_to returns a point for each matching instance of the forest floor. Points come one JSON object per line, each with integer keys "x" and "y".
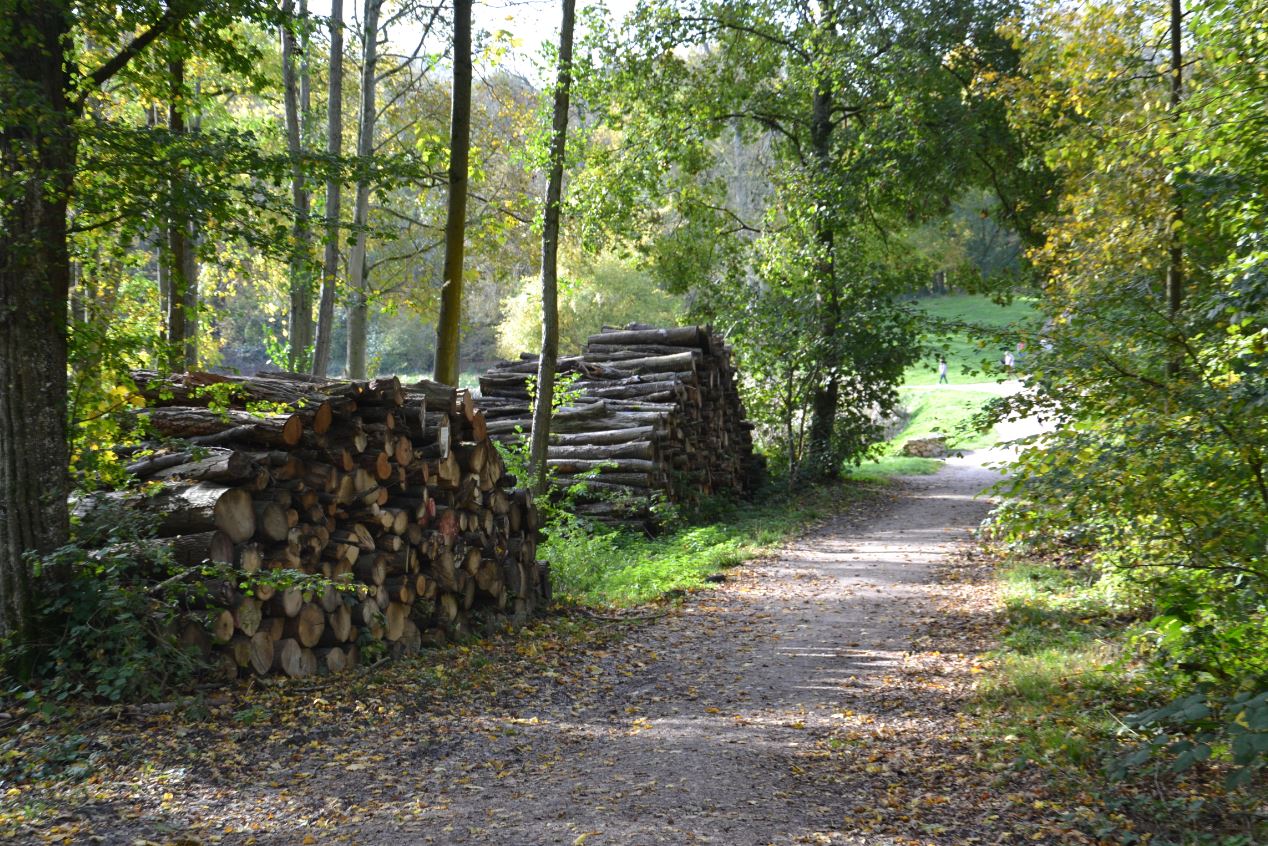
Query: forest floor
{"x": 815, "y": 697}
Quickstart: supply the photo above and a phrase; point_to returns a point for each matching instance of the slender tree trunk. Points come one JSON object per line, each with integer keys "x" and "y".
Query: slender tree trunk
{"x": 162, "y": 264}
{"x": 34, "y": 290}
{"x": 301, "y": 293}
{"x": 358, "y": 310}
{"x": 334, "y": 147}
{"x": 550, "y": 253}
{"x": 177, "y": 231}
{"x": 446, "y": 370}
{"x": 1175, "y": 252}
{"x": 820, "y": 459}
{"x": 189, "y": 264}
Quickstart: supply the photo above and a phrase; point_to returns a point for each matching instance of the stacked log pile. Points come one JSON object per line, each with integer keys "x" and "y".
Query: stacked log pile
{"x": 655, "y": 410}
{"x": 393, "y": 493}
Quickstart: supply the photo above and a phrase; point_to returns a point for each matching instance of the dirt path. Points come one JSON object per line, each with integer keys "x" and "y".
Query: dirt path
{"x": 719, "y": 738}
{"x": 812, "y": 698}
{"x": 788, "y": 706}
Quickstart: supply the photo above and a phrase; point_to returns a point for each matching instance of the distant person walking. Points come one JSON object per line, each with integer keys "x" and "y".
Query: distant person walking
{"x": 942, "y": 370}
{"x": 1008, "y": 360}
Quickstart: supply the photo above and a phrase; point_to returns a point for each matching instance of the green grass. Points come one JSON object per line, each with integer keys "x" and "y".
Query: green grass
{"x": 1055, "y": 690}
{"x": 964, "y": 352}
{"x": 609, "y": 568}
{"x": 949, "y": 412}
{"x": 1061, "y": 671}
{"x": 946, "y": 409}
{"x": 888, "y": 466}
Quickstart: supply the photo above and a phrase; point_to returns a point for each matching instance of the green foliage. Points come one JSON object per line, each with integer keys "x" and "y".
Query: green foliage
{"x": 106, "y": 618}
{"x": 1066, "y": 690}
{"x": 602, "y": 566}
{"x": 1158, "y": 462}
{"x": 603, "y": 290}
{"x": 768, "y": 158}
{"x": 1204, "y": 726}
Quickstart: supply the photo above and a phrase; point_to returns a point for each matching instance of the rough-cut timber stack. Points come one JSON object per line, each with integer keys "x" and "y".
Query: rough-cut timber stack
{"x": 393, "y": 491}
{"x": 656, "y": 410}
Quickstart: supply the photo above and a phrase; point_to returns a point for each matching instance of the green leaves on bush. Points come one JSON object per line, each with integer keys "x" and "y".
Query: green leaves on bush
{"x": 1202, "y": 726}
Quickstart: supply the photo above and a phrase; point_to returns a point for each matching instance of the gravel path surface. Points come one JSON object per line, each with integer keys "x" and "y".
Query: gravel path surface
{"x": 791, "y": 705}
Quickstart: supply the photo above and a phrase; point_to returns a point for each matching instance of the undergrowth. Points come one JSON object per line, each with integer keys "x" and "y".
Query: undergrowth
{"x": 1070, "y": 691}
{"x": 595, "y": 565}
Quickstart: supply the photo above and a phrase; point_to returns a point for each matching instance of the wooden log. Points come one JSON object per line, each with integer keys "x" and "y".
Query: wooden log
{"x": 260, "y": 655}
{"x": 444, "y": 571}
{"x": 306, "y": 626}
{"x": 371, "y": 570}
{"x": 331, "y": 660}
{"x": 225, "y": 466}
{"x": 678, "y": 336}
{"x": 396, "y": 616}
{"x": 271, "y": 522}
{"x": 221, "y": 625}
{"x": 338, "y": 626}
{"x": 602, "y": 438}
{"x": 183, "y": 508}
{"x": 619, "y": 465}
{"x": 247, "y": 616}
{"x": 204, "y": 426}
{"x": 204, "y": 389}
{"x": 292, "y": 659}
{"x": 601, "y": 452}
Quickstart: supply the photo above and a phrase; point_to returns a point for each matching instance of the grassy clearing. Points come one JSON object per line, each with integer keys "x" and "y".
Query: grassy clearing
{"x": 966, "y": 354}
{"x": 605, "y": 568}
{"x": 949, "y": 411}
{"x": 466, "y": 378}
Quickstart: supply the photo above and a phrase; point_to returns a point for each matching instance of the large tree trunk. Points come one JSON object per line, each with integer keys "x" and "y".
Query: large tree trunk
{"x": 358, "y": 310}
{"x": 446, "y": 370}
{"x": 334, "y": 147}
{"x": 34, "y": 287}
{"x": 550, "y": 251}
{"x": 820, "y": 459}
{"x": 301, "y": 293}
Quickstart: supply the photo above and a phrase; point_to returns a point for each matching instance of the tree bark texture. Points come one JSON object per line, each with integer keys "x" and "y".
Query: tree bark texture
{"x": 446, "y": 368}
{"x": 181, "y": 345}
{"x": 358, "y": 309}
{"x": 34, "y": 287}
{"x": 550, "y": 255}
{"x": 334, "y": 195}
{"x": 301, "y": 289}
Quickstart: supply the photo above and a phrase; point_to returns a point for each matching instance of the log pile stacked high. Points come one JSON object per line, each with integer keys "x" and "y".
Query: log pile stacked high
{"x": 655, "y": 410}
{"x": 394, "y": 492}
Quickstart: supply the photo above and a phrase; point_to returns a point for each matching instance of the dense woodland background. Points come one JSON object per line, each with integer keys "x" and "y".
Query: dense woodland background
{"x": 797, "y": 174}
